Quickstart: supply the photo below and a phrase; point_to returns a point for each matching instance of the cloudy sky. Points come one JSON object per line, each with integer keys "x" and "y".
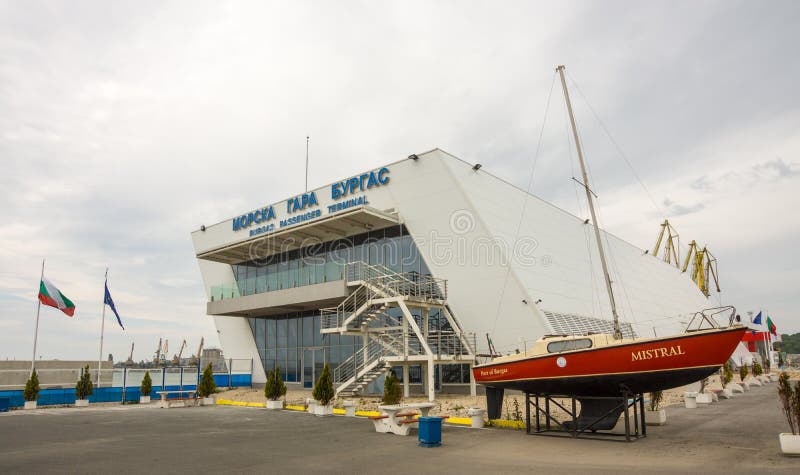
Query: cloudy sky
{"x": 126, "y": 125}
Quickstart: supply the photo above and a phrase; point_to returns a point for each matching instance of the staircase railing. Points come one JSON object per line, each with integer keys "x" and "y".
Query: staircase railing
{"x": 362, "y": 358}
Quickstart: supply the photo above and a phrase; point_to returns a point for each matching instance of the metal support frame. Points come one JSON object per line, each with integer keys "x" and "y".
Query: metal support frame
{"x": 579, "y": 426}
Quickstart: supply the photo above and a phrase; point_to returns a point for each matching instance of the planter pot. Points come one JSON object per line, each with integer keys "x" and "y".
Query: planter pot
{"x": 726, "y": 393}
{"x": 754, "y": 382}
{"x": 773, "y": 377}
{"x": 476, "y": 414}
{"x": 144, "y": 399}
{"x": 81, "y": 403}
{"x": 655, "y": 418}
{"x": 207, "y": 401}
{"x": 349, "y": 409}
{"x": 311, "y": 404}
{"x": 765, "y": 379}
{"x": 321, "y": 410}
{"x": 690, "y": 399}
{"x": 274, "y": 404}
{"x": 790, "y": 443}
{"x": 704, "y": 398}
{"x": 745, "y": 385}
{"x": 30, "y": 404}
{"x": 736, "y": 388}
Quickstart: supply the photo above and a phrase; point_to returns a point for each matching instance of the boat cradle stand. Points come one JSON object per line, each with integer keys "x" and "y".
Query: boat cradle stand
{"x": 598, "y": 415}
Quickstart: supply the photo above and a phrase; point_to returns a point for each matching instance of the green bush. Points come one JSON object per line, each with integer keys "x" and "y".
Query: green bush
{"x": 757, "y": 371}
{"x": 743, "y": 371}
{"x": 391, "y": 389}
{"x": 31, "y": 392}
{"x": 274, "y": 388}
{"x": 788, "y": 398}
{"x": 727, "y": 374}
{"x": 655, "y": 400}
{"x": 147, "y": 384}
{"x": 207, "y": 386}
{"x": 323, "y": 389}
{"x": 84, "y": 388}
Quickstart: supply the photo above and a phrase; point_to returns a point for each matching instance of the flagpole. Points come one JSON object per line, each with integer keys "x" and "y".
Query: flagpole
{"x": 102, "y": 329}
{"x": 36, "y": 330}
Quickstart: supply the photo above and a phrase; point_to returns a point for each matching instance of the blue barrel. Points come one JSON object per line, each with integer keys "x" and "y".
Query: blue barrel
{"x": 430, "y": 431}
{"x": 4, "y": 403}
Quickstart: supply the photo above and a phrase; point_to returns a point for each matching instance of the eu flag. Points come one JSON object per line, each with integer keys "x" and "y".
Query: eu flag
{"x": 110, "y": 303}
{"x": 756, "y": 320}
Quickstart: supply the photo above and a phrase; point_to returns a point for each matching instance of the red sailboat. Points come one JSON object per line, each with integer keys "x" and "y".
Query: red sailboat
{"x": 608, "y": 365}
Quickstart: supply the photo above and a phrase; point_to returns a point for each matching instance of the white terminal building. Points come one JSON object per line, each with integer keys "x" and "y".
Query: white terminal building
{"x": 408, "y": 267}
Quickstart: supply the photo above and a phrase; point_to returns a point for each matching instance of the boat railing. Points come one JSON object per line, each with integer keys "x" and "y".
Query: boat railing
{"x": 707, "y": 318}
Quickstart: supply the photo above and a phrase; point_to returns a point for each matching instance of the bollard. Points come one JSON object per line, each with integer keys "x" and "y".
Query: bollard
{"x": 349, "y": 409}
{"x": 690, "y": 399}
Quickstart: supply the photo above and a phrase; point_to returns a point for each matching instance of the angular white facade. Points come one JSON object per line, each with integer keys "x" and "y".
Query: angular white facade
{"x": 514, "y": 263}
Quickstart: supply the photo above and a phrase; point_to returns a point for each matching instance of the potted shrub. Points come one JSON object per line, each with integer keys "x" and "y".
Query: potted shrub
{"x": 274, "y": 389}
{"x": 790, "y": 403}
{"x": 323, "y": 393}
{"x": 725, "y": 377}
{"x": 84, "y": 388}
{"x": 757, "y": 372}
{"x": 743, "y": 372}
{"x": 31, "y": 392}
{"x": 655, "y": 415}
{"x": 145, "y": 389}
{"x": 207, "y": 387}
{"x": 392, "y": 393}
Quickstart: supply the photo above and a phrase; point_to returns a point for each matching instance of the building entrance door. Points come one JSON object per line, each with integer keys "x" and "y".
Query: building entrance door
{"x": 313, "y": 362}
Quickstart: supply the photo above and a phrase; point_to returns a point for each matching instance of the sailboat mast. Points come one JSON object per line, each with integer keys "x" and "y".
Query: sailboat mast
{"x": 617, "y": 331}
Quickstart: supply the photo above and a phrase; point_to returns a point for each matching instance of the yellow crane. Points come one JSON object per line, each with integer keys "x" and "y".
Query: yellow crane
{"x": 672, "y": 245}
{"x": 704, "y": 267}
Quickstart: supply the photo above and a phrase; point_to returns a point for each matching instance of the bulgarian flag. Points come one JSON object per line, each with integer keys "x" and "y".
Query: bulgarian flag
{"x": 50, "y": 295}
{"x": 771, "y": 326}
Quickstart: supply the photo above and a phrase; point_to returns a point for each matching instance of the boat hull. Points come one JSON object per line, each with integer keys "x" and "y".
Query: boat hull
{"x": 639, "y": 366}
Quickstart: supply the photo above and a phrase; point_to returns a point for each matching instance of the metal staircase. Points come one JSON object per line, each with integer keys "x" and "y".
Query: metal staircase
{"x": 390, "y": 339}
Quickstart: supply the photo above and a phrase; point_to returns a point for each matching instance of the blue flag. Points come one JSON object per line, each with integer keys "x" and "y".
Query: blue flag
{"x": 756, "y": 320}
{"x": 110, "y": 303}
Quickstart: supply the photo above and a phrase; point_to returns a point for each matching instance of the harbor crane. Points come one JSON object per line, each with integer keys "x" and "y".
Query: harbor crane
{"x": 176, "y": 360}
{"x": 195, "y": 359}
{"x": 157, "y": 359}
{"x": 704, "y": 267}
{"x": 671, "y": 253}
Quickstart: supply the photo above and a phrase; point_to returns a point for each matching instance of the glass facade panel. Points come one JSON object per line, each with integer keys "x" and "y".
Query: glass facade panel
{"x": 293, "y": 341}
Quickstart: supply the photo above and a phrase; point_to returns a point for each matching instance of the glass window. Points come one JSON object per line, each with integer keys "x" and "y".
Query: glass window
{"x": 293, "y": 273}
{"x": 308, "y": 331}
{"x": 302, "y": 272}
{"x": 317, "y": 334}
{"x": 282, "y": 336}
{"x": 567, "y": 345}
{"x": 272, "y": 277}
{"x": 261, "y": 279}
{"x": 292, "y": 365}
{"x": 283, "y": 275}
{"x": 251, "y": 281}
{"x": 270, "y": 339}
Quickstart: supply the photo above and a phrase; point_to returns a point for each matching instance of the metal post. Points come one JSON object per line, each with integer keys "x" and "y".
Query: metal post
{"x": 595, "y": 223}
{"x": 36, "y": 329}
{"x": 547, "y": 412}
{"x": 124, "y": 383}
{"x": 102, "y": 330}
{"x": 527, "y": 413}
{"x": 163, "y": 379}
{"x": 641, "y": 411}
{"x": 538, "y": 424}
{"x": 251, "y": 373}
{"x": 575, "y": 418}
{"x": 181, "y": 378}
{"x": 230, "y": 370}
{"x": 627, "y": 421}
